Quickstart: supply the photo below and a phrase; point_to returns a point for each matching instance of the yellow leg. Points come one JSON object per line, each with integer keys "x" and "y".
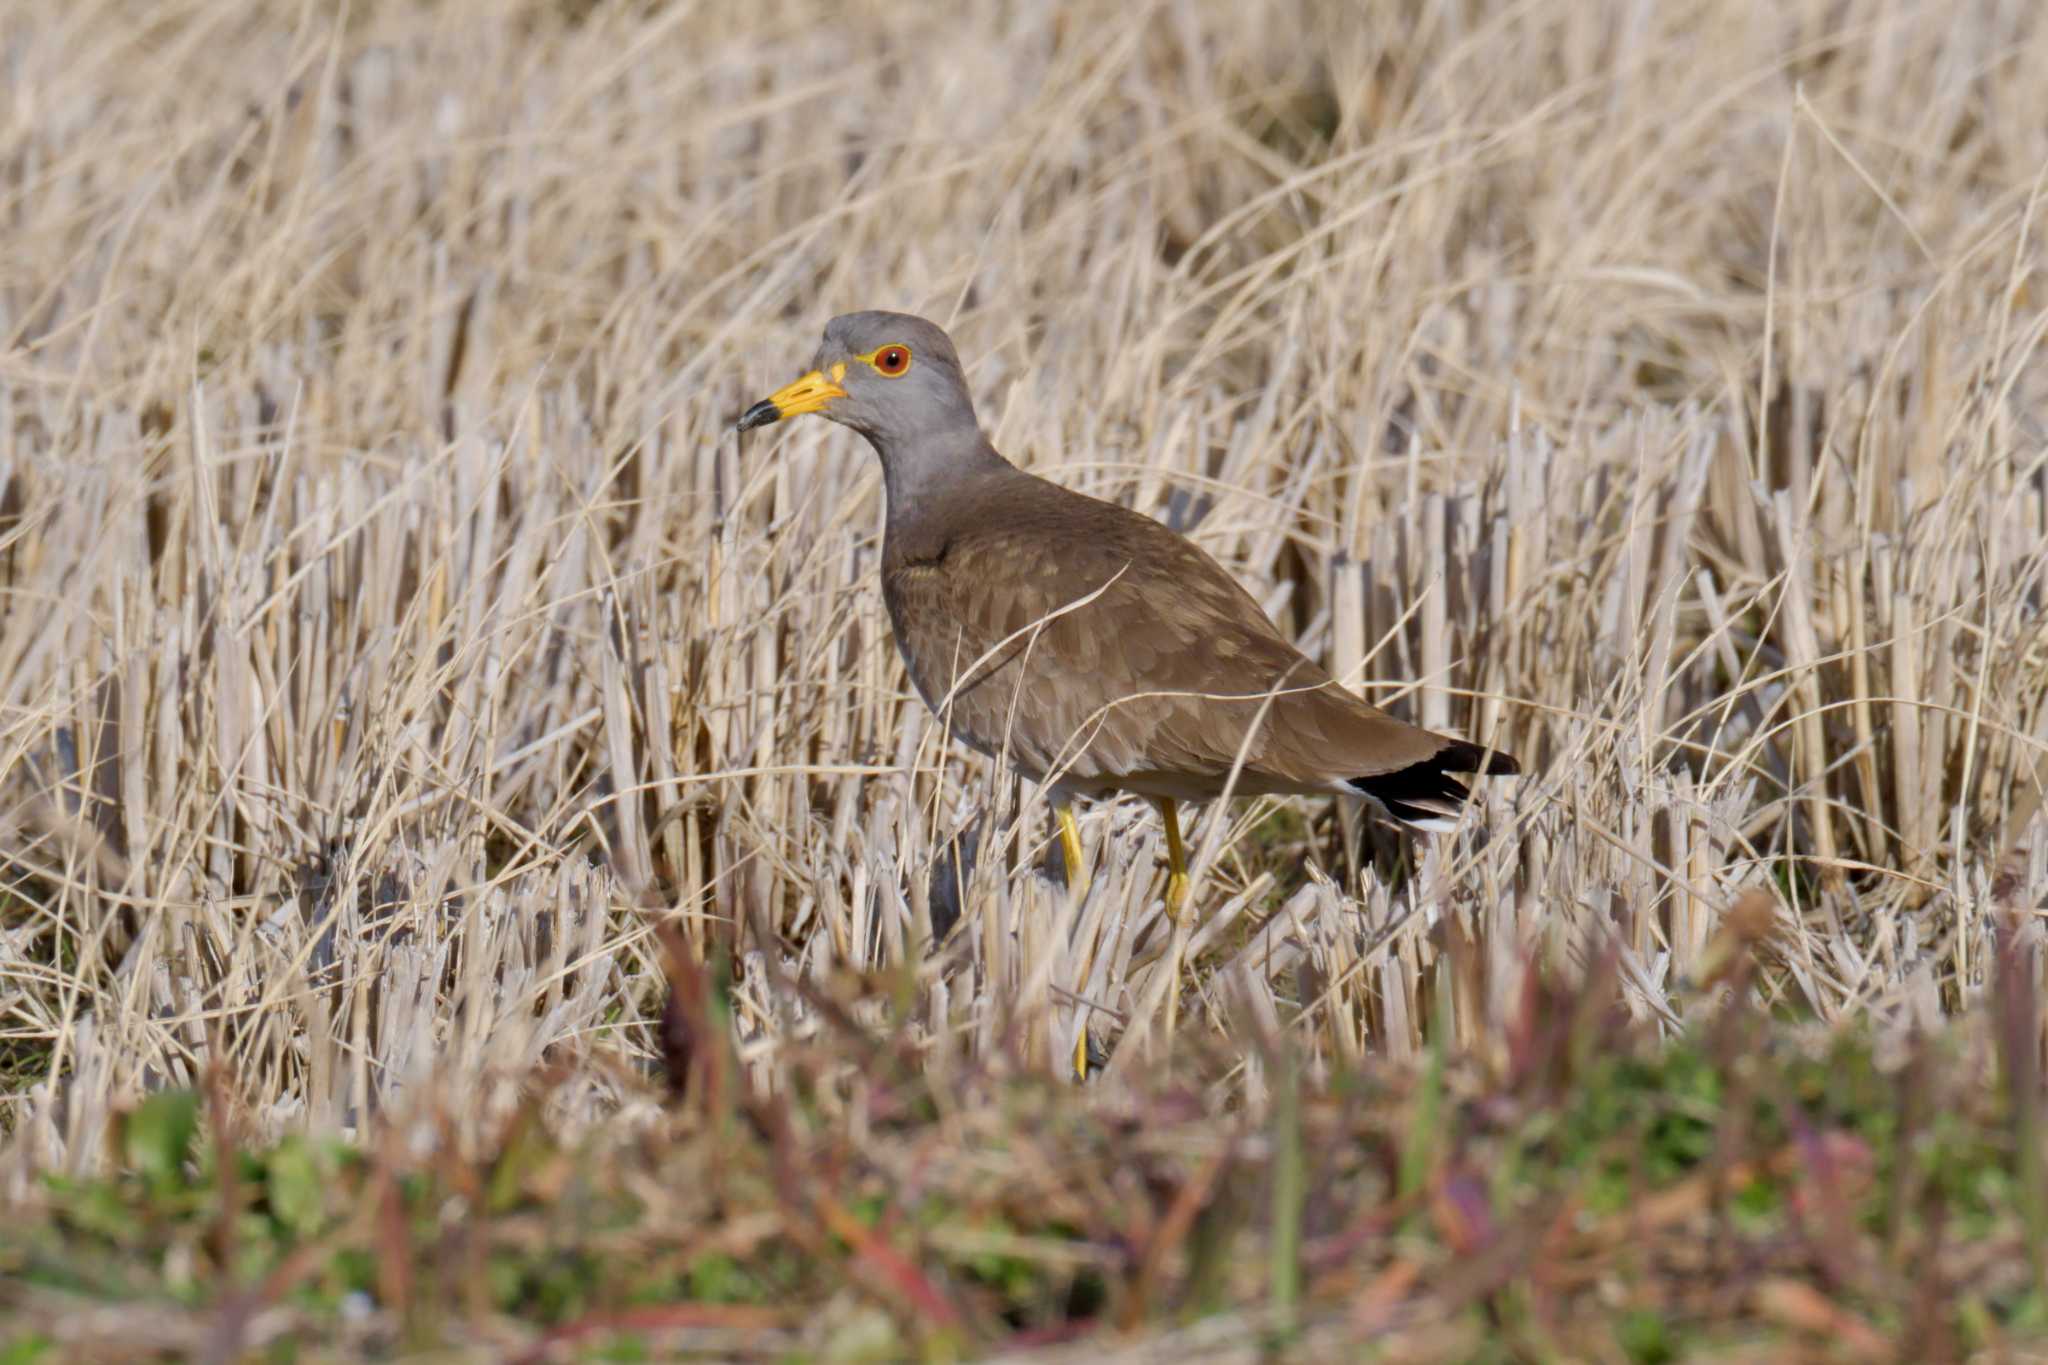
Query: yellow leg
{"x": 1077, "y": 886}
{"x": 1176, "y": 907}
{"x": 1070, "y": 849}
{"x": 1176, "y": 859}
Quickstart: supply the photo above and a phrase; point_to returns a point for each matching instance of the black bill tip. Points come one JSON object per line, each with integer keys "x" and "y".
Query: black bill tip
{"x": 759, "y": 415}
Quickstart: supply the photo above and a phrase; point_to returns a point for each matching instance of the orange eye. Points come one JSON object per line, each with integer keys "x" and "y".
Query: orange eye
{"x": 892, "y": 361}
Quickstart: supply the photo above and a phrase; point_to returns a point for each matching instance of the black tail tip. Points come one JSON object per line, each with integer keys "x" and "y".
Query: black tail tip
{"x": 1425, "y": 794}
{"x": 1461, "y": 757}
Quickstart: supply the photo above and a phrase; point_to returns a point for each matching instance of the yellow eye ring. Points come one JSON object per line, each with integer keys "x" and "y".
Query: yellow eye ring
{"x": 891, "y": 361}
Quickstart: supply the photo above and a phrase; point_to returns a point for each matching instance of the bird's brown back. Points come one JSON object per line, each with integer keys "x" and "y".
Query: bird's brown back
{"x": 1099, "y": 649}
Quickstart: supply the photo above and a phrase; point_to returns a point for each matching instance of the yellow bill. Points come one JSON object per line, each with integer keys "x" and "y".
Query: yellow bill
{"x": 808, "y": 394}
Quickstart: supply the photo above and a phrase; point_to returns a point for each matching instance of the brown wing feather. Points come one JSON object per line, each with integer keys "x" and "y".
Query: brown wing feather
{"x": 1151, "y": 684}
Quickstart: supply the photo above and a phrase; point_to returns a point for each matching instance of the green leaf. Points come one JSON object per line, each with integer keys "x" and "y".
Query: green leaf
{"x": 295, "y": 1186}
{"x": 27, "y": 1350}
{"x": 1644, "y": 1337}
{"x": 158, "y": 1136}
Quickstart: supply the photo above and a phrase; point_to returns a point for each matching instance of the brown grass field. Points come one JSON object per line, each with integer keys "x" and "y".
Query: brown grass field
{"x": 393, "y": 634}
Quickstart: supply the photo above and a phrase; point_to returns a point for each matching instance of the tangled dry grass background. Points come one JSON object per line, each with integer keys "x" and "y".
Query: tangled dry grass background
{"x": 391, "y": 626}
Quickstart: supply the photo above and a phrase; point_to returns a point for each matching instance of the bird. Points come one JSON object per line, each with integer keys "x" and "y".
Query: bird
{"x": 1095, "y": 649}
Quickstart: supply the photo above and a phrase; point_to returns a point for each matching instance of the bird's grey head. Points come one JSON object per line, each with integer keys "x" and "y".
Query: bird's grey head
{"x": 892, "y": 377}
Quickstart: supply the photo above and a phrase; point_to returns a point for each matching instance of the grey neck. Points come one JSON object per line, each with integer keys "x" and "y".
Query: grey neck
{"x": 924, "y": 474}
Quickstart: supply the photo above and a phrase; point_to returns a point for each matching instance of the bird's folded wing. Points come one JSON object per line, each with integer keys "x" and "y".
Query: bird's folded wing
{"x": 1108, "y": 646}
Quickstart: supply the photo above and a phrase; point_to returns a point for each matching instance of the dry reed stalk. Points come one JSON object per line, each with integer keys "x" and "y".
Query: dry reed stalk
{"x": 389, "y": 619}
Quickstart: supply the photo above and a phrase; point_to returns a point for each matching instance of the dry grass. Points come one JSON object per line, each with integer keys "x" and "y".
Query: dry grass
{"x": 389, "y": 621}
